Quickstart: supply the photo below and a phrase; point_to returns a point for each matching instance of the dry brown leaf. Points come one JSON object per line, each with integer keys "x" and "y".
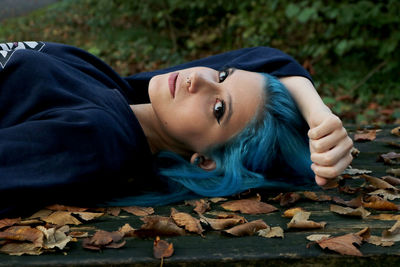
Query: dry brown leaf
{"x": 23, "y": 233}
{"x": 385, "y": 194}
{"x": 246, "y": 229}
{"x": 359, "y": 212}
{"x": 315, "y": 197}
{"x": 379, "y": 183}
{"x": 217, "y": 199}
{"x": 248, "y": 206}
{"x": 364, "y": 233}
{"x": 391, "y": 180}
{"x": 348, "y": 189}
{"x": 139, "y": 211}
{"x": 77, "y": 234}
{"x": 18, "y": 249}
{"x": 41, "y": 214}
{"x": 378, "y": 203}
{"x": 291, "y": 212}
{"x": 162, "y": 249}
{"x": 377, "y": 241}
{"x": 270, "y": 232}
{"x": 300, "y": 221}
{"x": 366, "y": 135}
{"x": 190, "y": 223}
{"x": 127, "y": 230}
{"x": 201, "y": 206}
{"x": 393, "y": 234}
{"x": 61, "y": 218}
{"x": 55, "y": 237}
{"x": 342, "y": 244}
{"x": 9, "y": 222}
{"x": 353, "y": 203}
{"x": 391, "y": 158}
{"x": 155, "y": 225}
{"x": 317, "y": 237}
{"x": 354, "y": 152}
{"x": 385, "y": 217}
{"x": 88, "y": 216}
{"x": 395, "y": 131}
{"x": 395, "y": 172}
{"x": 58, "y": 207}
{"x": 103, "y": 239}
{"x": 221, "y": 224}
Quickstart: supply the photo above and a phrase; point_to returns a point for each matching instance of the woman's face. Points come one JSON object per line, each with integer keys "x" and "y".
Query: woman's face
{"x": 200, "y": 107}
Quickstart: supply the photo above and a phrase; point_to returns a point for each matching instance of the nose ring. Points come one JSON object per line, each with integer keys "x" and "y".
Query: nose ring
{"x": 188, "y": 80}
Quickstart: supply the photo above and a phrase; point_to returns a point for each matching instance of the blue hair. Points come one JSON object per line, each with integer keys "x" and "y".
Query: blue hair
{"x": 272, "y": 151}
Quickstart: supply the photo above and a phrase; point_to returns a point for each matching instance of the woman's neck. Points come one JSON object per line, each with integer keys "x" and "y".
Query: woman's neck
{"x": 156, "y": 137}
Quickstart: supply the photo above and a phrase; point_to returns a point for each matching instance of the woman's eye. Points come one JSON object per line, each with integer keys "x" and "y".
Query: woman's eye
{"x": 223, "y": 74}
{"x": 219, "y": 109}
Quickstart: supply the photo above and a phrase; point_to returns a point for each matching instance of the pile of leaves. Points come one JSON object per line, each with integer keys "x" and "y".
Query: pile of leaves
{"x": 54, "y": 228}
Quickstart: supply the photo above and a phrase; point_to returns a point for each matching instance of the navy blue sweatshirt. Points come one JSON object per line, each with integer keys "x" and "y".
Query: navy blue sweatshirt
{"x": 67, "y": 133}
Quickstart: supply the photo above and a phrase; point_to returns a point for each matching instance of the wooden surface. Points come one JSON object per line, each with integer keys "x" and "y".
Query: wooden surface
{"x": 217, "y": 249}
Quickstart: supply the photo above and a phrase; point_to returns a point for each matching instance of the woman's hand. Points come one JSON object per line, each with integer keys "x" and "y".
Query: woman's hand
{"x": 329, "y": 146}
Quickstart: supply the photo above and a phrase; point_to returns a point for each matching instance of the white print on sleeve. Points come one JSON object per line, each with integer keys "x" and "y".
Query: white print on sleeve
{"x": 8, "y": 49}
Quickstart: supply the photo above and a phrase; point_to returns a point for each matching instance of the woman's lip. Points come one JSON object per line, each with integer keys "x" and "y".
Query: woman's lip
{"x": 172, "y": 82}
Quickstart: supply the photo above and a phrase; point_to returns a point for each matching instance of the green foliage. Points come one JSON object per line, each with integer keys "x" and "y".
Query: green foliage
{"x": 350, "y": 47}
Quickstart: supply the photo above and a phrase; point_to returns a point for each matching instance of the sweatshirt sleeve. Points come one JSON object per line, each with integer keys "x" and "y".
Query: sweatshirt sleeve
{"x": 258, "y": 59}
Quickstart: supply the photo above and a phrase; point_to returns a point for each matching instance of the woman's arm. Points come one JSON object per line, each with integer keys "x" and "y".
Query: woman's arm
{"x": 329, "y": 143}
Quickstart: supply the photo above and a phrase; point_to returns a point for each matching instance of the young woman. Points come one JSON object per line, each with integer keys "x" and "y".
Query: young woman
{"x": 73, "y": 131}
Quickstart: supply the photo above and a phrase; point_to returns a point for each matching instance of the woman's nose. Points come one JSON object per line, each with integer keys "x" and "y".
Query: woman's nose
{"x": 197, "y": 82}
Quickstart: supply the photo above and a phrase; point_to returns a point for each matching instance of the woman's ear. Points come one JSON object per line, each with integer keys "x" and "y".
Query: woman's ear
{"x": 203, "y": 162}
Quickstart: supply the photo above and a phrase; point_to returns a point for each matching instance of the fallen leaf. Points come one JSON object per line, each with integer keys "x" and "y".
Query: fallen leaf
{"x": 201, "y": 206}
{"x": 385, "y": 217}
{"x": 315, "y": 197}
{"x": 162, "y": 249}
{"x": 354, "y": 152}
{"x": 348, "y": 189}
{"x": 359, "y": 212}
{"x": 395, "y": 172}
{"x": 127, "y": 230}
{"x": 190, "y": 223}
{"x": 114, "y": 211}
{"x": 378, "y": 183}
{"x": 77, "y": 234}
{"x": 385, "y": 194}
{"x": 61, "y": 218}
{"x": 300, "y": 221}
{"x": 248, "y": 206}
{"x": 395, "y": 131}
{"x": 23, "y": 233}
{"x": 378, "y": 203}
{"x": 221, "y": 224}
{"x": 342, "y": 244}
{"x": 391, "y": 158}
{"x": 317, "y": 237}
{"x": 247, "y": 229}
{"x": 364, "y": 233}
{"x": 353, "y": 203}
{"x": 291, "y": 212}
{"x": 271, "y": 232}
{"x": 217, "y": 199}
{"x": 377, "y": 241}
{"x": 139, "y": 211}
{"x": 58, "y": 207}
{"x": 391, "y": 180}
{"x": 55, "y": 237}
{"x": 289, "y": 198}
{"x": 393, "y": 234}
{"x": 88, "y": 216}
{"x": 352, "y": 171}
{"x": 366, "y": 135}
{"x": 41, "y": 214}
{"x": 155, "y": 225}
{"x": 9, "y": 222}
{"x": 103, "y": 239}
{"x": 18, "y": 249}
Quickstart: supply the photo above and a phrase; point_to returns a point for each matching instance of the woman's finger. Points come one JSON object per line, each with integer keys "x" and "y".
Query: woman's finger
{"x": 329, "y": 172}
{"x": 326, "y": 127}
{"x": 327, "y": 142}
{"x": 331, "y": 157}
